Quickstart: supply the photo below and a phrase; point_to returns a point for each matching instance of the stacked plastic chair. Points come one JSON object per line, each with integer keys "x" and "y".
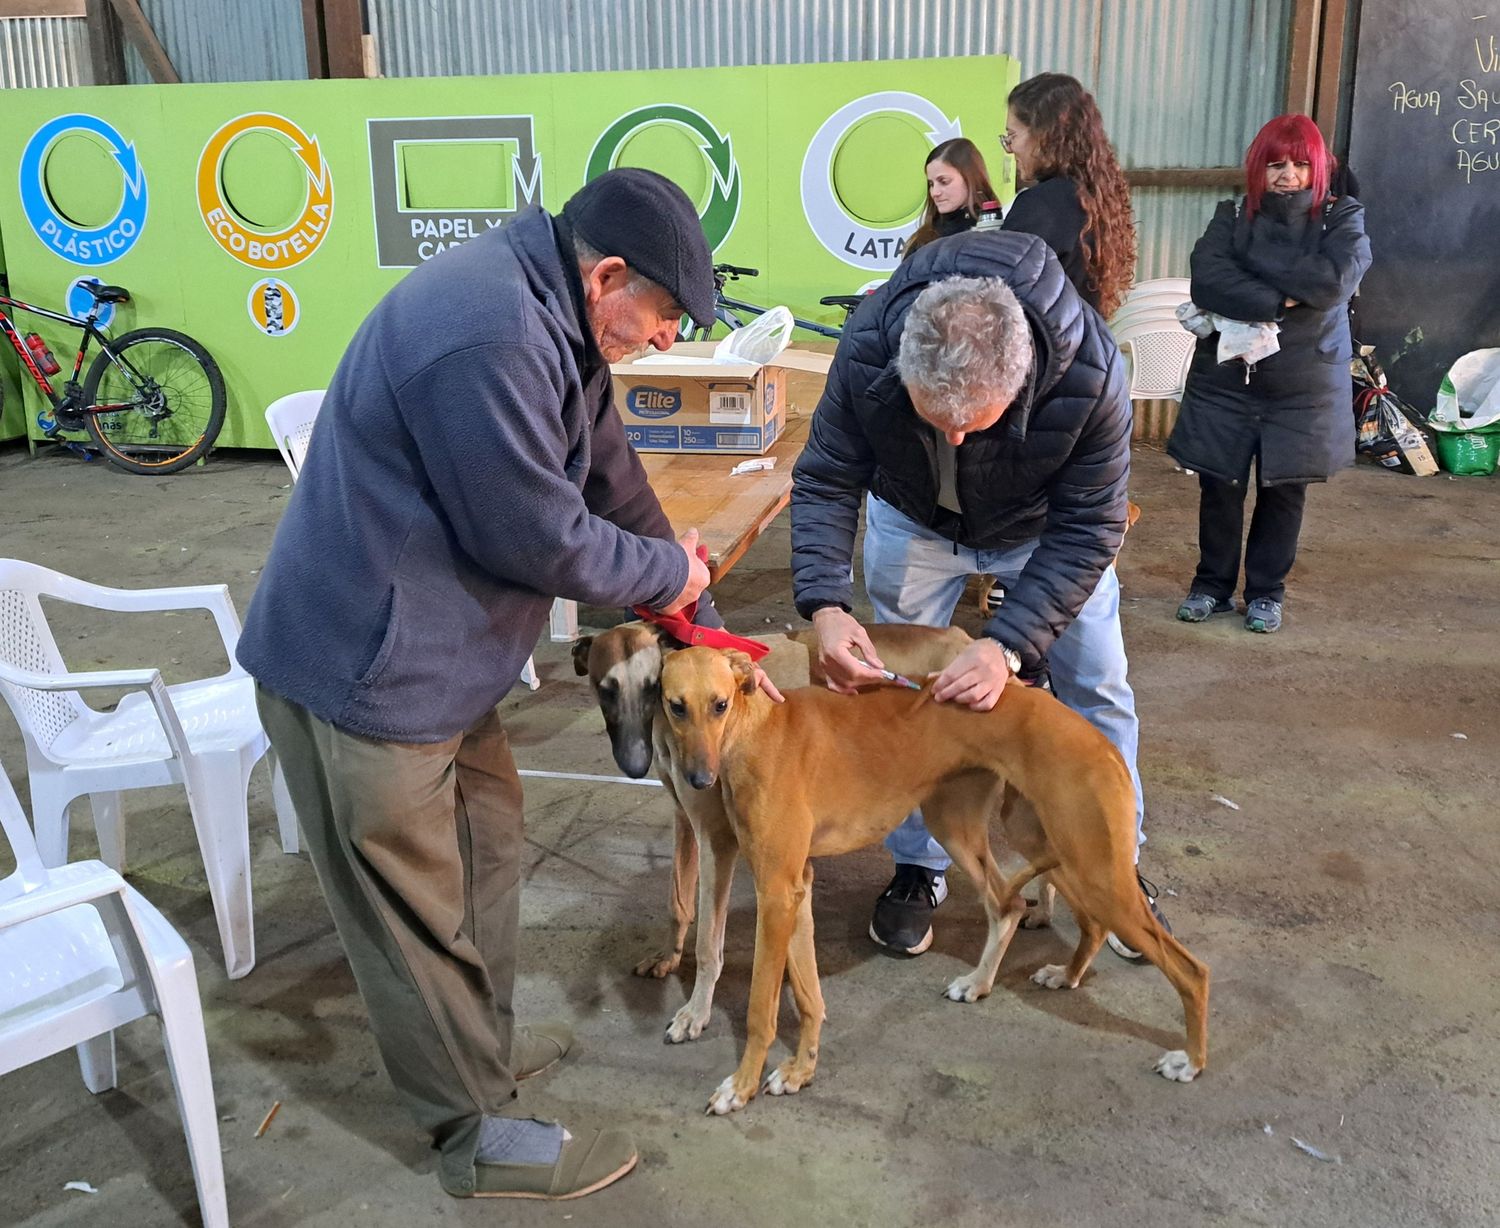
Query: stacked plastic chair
{"x": 1147, "y": 330}
{"x": 81, "y": 953}
{"x": 204, "y": 735}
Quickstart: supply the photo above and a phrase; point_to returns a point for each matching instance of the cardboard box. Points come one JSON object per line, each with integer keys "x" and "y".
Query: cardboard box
{"x": 681, "y": 401}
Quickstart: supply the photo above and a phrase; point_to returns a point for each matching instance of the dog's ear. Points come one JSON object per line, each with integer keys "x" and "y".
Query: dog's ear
{"x": 581, "y": 655}
{"x": 744, "y": 671}
{"x": 668, "y": 641}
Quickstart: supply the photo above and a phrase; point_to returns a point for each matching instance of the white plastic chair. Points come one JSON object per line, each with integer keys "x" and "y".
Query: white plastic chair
{"x": 204, "y": 735}
{"x": 1147, "y": 330}
{"x": 291, "y": 421}
{"x": 81, "y": 953}
{"x": 1148, "y": 299}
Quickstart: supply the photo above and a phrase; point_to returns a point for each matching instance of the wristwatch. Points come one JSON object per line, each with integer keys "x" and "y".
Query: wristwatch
{"x": 1012, "y": 660}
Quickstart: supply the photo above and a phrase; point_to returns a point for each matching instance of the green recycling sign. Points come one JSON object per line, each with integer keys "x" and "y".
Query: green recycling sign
{"x": 812, "y": 173}
{"x": 720, "y": 211}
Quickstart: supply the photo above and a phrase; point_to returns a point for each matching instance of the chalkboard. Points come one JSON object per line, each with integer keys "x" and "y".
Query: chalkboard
{"x": 1425, "y": 145}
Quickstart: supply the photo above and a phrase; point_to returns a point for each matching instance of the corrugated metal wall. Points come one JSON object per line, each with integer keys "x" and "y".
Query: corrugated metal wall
{"x": 1182, "y": 83}
{"x": 225, "y": 40}
{"x": 207, "y": 40}
{"x": 39, "y": 51}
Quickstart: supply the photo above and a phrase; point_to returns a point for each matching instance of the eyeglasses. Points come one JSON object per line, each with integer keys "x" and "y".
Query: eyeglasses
{"x": 1005, "y": 141}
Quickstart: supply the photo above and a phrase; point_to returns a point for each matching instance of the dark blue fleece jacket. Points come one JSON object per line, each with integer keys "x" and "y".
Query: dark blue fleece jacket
{"x": 467, "y": 467}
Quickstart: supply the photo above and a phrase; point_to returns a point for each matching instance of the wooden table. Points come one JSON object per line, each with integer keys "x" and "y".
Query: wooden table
{"x": 729, "y": 513}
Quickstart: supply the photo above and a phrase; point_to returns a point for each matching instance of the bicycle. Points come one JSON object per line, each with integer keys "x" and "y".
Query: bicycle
{"x": 152, "y": 400}
{"x": 727, "y": 310}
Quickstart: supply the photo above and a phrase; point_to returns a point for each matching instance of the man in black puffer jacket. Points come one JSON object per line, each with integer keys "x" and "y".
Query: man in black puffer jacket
{"x": 983, "y": 409}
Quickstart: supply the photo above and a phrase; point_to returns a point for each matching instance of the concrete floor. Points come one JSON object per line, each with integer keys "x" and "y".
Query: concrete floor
{"x": 1347, "y": 907}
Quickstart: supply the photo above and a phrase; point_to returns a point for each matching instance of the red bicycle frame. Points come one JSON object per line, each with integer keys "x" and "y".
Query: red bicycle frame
{"x": 66, "y": 401}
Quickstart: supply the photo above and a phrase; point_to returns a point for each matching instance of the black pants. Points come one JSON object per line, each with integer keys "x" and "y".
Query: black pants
{"x": 1270, "y": 550}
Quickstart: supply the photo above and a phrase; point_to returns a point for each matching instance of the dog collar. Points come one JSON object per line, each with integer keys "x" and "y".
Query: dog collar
{"x": 680, "y": 627}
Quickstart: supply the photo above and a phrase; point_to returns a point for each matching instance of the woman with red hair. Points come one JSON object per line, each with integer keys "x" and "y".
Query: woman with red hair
{"x": 1292, "y": 254}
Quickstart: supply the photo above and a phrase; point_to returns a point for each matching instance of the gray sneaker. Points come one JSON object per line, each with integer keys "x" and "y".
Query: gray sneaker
{"x": 1197, "y": 607}
{"x": 1263, "y": 615}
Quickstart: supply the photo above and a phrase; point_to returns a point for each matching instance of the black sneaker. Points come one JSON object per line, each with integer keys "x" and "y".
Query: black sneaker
{"x": 1148, "y": 889}
{"x": 903, "y": 913}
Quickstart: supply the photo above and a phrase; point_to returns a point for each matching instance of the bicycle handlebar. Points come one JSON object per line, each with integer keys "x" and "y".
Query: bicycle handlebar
{"x": 734, "y": 270}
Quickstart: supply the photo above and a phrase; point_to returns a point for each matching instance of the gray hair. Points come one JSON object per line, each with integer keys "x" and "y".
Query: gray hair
{"x": 588, "y": 256}
{"x": 965, "y": 346}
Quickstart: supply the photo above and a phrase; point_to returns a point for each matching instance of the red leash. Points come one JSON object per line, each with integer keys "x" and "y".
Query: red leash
{"x": 680, "y": 627}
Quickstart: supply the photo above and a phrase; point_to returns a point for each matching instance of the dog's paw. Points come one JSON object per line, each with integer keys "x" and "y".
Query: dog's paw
{"x": 725, "y": 1099}
{"x": 1053, "y": 976}
{"x": 687, "y": 1024}
{"x": 1177, "y": 1066}
{"x": 786, "y": 1080}
{"x": 660, "y": 965}
{"x": 966, "y": 989}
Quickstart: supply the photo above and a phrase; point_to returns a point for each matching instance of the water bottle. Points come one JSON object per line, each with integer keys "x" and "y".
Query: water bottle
{"x": 41, "y": 355}
{"x": 989, "y": 216}
{"x": 271, "y": 301}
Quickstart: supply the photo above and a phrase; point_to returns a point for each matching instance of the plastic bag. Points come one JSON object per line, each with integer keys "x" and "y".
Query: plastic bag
{"x": 760, "y": 340}
{"x": 1468, "y": 453}
{"x": 1387, "y": 435}
{"x": 1470, "y": 393}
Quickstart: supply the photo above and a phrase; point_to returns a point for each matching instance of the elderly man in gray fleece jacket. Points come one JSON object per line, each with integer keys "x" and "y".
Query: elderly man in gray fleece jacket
{"x": 467, "y": 467}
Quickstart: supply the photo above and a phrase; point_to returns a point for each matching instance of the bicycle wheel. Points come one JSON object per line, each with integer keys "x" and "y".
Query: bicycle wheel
{"x": 165, "y": 401}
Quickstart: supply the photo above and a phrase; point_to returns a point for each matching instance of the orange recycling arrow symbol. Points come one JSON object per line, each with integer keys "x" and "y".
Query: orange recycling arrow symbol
{"x": 261, "y": 249}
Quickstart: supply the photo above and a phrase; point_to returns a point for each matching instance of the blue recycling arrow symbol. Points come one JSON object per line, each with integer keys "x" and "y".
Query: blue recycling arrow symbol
{"x": 80, "y": 244}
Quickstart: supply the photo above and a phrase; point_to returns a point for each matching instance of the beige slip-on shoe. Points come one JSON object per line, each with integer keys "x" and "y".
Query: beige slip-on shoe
{"x": 538, "y": 1047}
{"x": 588, "y": 1162}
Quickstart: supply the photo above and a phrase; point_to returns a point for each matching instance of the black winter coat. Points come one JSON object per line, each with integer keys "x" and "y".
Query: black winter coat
{"x": 1050, "y": 209}
{"x": 1295, "y": 409}
{"x": 1054, "y": 467}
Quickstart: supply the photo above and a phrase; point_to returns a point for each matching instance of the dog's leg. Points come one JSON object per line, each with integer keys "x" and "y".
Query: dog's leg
{"x": 957, "y": 814}
{"x": 778, "y": 895}
{"x": 1133, "y": 923}
{"x": 1090, "y": 939}
{"x": 802, "y": 969}
{"x": 684, "y": 886}
{"x": 719, "y": 851}
{"x": 1039, "y": 915}
{"x": 1004, "y": 908}
{"x": 1023, "y": 832}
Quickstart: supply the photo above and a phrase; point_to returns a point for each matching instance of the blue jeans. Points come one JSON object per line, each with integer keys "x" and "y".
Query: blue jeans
{"x": 913, "y": 575}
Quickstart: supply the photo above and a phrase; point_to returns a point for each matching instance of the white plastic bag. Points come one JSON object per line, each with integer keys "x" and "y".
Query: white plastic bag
{"x": 760, "y": 340}
{"x": 1470, "y": 392}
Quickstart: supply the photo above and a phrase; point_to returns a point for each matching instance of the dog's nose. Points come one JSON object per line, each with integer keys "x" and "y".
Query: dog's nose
{"x": 634, "y": 758}
{"x": 700, "y": 778}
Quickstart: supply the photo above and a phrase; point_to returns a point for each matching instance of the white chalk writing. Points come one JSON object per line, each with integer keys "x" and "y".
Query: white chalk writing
{"x": 1474, "y": 97}
{"x": 1404, "y": 99}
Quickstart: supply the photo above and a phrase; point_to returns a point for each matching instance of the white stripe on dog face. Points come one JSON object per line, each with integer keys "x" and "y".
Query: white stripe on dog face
{"x": 636, "y": 672}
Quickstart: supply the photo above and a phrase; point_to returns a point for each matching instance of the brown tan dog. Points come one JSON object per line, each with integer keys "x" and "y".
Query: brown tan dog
{"x": 824, "y": 774}
{"x": 624, "y": 666}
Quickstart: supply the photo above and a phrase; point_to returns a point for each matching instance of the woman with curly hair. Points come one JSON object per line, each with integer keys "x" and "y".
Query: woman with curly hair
{"x": 958, "y": 183}
{"x": 1079, "y": 203}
